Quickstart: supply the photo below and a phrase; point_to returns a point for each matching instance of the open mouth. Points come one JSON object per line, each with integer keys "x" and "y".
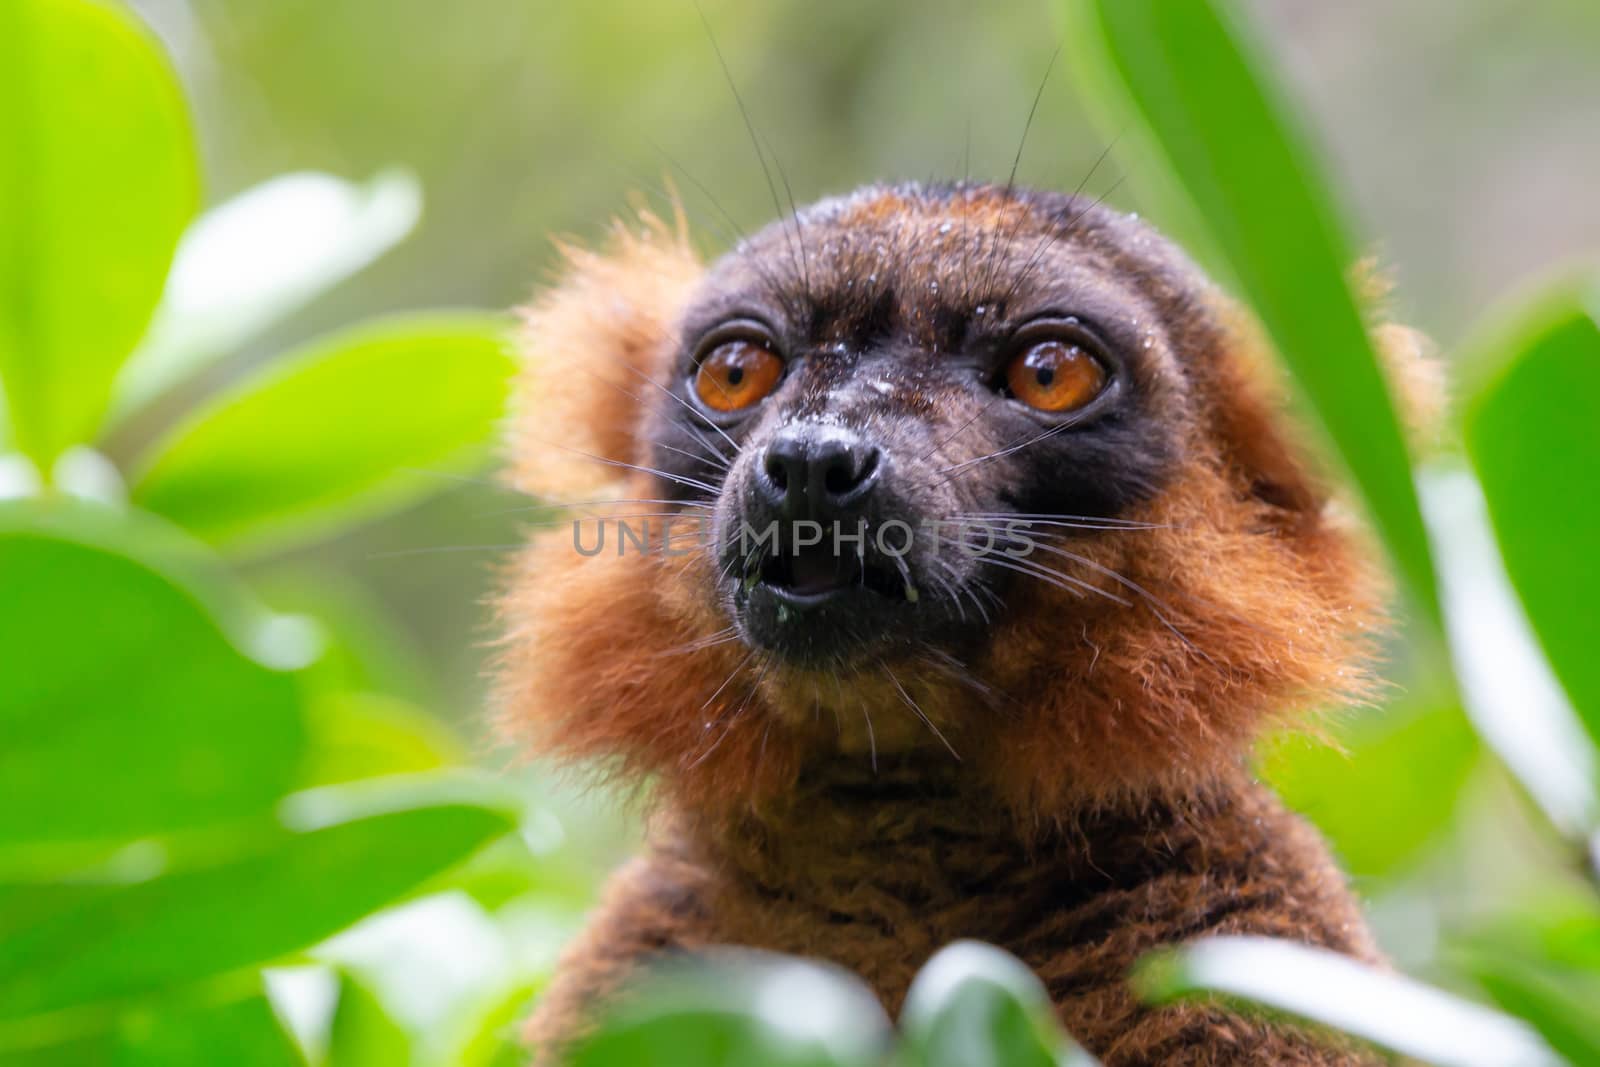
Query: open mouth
{"x": 815, "y": 573}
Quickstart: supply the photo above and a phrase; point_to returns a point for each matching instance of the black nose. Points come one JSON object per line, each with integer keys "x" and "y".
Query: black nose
{"x": 810, "y": 471}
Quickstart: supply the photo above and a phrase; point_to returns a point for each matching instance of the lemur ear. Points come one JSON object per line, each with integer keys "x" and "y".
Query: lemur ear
{"x": 1274, "y": 460}
{"x": 591, "y": 344}
{"x": 1411, "y": 363}
{"x": 1262, "y": 450}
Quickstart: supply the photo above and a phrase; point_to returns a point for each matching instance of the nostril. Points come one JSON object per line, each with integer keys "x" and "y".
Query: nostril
{"x": 839, "y": 479}
{"x": 777, "y": 472}
{"x": 848, "y": 470}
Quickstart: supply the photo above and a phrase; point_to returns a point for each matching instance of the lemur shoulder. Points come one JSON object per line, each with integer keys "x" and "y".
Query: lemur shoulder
{"x": 1024, "y": 717}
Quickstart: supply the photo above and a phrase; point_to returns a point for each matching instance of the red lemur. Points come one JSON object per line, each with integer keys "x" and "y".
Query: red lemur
{"x": 1024, "y": 715}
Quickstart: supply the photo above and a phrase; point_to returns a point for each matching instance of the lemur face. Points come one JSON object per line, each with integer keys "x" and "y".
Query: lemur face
{"x": 980, "y": 473}
{"x": 899, "y": 398}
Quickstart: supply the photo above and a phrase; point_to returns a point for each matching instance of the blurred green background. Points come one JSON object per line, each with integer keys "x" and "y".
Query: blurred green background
{"x": 1460, "y": 137}
{"x": 1461, "y": 134}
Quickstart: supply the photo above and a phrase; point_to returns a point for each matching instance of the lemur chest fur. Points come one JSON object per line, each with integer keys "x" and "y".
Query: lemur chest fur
{"x": 878, "y": 871}
{"x": 1024, "y": 716}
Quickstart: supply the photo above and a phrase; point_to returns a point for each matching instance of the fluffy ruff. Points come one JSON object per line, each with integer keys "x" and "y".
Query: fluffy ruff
{"x": 1072, "y": 790}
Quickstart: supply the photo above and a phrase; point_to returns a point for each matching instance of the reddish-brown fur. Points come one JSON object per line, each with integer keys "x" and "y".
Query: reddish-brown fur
{"x": 1099, "y": 807}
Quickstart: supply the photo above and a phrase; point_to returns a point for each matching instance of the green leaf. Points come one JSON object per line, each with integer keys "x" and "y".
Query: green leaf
{"x": 248, "y": 1032}
{"x": 509, "y": 873}
{"x": 1315, "y": 984}
{"x": 257, "y": 258}
{"x": 366, "y": 735}
{"x": 973, "y": 1005}
{"x": 1531, "y": 432}
{"x": 363, "y": 1033}
{"x": 744, "y": 1009}
{"x": 19, "y": 478}
{"x": 1514, "y": 700}
{"x": 366, "y": 647}
{"x": 1563, "y": 1004}
{"x": 1560, "y": 925}
{"x": 487, "y": 1032}
{"x": 1228, "y": 162}
{"x": 358, "y": 423}
{"x": 1387, "y": 788}
{"x": 97, "y": 179}
{"x": 291, "y": 890}
{"x": 137, "y": 713}
{"x": 241, "y": 1033}
{"x": 1540, "y": 959}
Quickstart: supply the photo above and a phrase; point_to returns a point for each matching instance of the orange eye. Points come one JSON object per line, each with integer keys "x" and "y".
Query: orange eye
{"x": 1055, "y": 376}
{"x": 736, "y": 375}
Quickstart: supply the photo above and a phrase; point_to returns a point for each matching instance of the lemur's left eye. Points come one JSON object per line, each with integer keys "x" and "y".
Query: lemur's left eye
{"x": 1055, "y": 375}
{"x": 737, "y": 374}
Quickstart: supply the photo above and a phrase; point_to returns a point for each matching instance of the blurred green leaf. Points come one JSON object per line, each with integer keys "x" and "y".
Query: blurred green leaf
{"x": 1564, "y": 1005}
{"x": 1323, "y": 987}
{"x": 1231, "y": 164}
{"x": 1507, "y": 688}
{"x": 1385, "y": 790}
{"x": 240, "y": 1033}
{"x": 291, "y": 890}
{"x": 363, "y": 1033}
{"x": 257, "y": 258}
{"x": 489, "y": 1037}
{"x": 97, "y": 180}
{"x": 1540, "y": 959}
{"x": 364, "y": 735}
{"x": 246, "y": 1033}
{"x": 365, "y": 648}
{"x": 1533, "y": 431}
{"x": 742, "y": 1010}
{"x": 973, "y": 1005}
{"x": 19, "y": 478}
{"x": 702, "y": 1038}
{"x": 509, "y": 871}
{"x": 1560, "y": 925}
{"x": 24, "y": 904}
{"x": 355, "y": 424}
{"x": 136, "y": 714}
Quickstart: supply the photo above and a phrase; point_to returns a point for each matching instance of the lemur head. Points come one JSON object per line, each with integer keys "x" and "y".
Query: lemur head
{"x": 962, "y": 471}
{"x": 916, "y": 383}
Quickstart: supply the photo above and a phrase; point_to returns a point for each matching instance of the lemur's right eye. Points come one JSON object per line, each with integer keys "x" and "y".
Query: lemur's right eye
{"x": 737, "y": 374}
